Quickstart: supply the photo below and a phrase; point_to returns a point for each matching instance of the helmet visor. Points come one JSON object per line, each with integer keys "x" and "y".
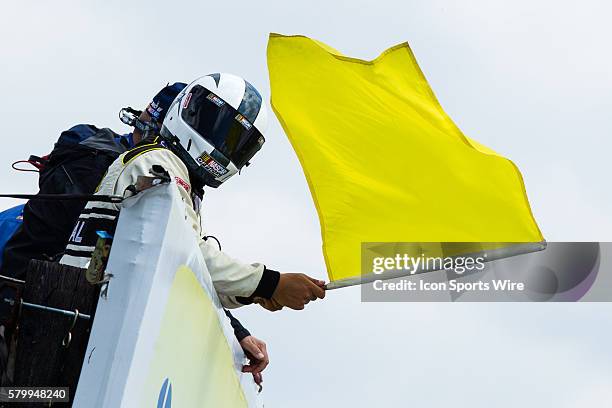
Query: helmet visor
{"x": 221, "y": 125}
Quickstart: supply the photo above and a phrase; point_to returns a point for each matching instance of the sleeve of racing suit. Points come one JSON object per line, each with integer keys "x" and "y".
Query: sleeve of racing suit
{"x": 239, "y": 330}
{"x": 235, "y": 280}
{"x": 231, "y": 278}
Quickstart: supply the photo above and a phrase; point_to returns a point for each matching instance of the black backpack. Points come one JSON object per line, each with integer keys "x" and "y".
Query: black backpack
{"x": 77, "y": 164}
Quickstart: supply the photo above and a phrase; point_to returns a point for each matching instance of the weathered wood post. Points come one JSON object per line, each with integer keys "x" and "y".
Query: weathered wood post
{"x": 44, "y": 356}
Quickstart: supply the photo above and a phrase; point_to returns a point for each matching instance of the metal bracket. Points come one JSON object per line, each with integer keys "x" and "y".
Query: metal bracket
{"x": 63, "y": 312}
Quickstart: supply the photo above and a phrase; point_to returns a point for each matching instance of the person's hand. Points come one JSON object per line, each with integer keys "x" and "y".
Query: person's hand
{"x": 295, "y": 290}
{"x": 257, "y": 354}
{"x": 269, "y": 304}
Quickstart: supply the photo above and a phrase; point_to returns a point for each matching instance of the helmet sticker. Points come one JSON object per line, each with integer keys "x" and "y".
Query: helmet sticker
{"x": 186, "y": 101}
{"x": 211, "y": 165}
{"x": 215, "y": 99}
{"x": 244, "y": 121}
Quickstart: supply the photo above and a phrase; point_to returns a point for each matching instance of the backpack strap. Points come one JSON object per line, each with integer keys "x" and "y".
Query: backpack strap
{"x": 146, "y": 145}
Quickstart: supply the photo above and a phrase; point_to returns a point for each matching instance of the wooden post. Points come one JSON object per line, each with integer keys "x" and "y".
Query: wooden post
{"x": 41, "y": 359}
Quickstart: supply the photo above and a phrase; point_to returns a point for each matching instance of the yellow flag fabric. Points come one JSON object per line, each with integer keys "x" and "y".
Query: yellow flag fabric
{"x": 383, "y": 161}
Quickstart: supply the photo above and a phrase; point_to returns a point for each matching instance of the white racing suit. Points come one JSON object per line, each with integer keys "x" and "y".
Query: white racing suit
{"x": 235, "y": 282}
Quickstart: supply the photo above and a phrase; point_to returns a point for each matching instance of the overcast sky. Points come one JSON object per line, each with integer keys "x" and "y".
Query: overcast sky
{"x": 531, "y": 79}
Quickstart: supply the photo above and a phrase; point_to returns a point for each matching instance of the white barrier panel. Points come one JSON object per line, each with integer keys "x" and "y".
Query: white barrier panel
{"x": 160, "y": 338}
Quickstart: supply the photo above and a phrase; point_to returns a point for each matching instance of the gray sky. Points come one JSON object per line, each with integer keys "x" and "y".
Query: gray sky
{"x": 531, "y": 79}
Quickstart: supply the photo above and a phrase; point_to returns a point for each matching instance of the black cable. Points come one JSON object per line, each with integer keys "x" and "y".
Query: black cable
{"x": 67, "y": 197}
{"x": 205, "y": 238}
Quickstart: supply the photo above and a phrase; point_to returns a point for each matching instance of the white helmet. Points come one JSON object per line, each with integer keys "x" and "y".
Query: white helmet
{"x": 215, "y": 126}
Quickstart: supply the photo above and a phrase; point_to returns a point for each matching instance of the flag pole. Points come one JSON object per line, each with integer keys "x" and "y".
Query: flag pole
{"x": 488, "y": 255}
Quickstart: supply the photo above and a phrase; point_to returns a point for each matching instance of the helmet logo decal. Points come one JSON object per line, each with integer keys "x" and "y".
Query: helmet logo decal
{"x": 186, "y": 101}
{"x": 215, "y": 99}
{"x": 244, "y": 121}
{"x": 211, "y": 165}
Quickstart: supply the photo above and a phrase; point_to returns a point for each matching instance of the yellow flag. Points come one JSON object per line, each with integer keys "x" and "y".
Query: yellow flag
{"x": 383, "y": 161}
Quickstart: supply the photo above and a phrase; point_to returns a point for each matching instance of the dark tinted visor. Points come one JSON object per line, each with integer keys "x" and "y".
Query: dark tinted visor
{"x": 221, "y": 125}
